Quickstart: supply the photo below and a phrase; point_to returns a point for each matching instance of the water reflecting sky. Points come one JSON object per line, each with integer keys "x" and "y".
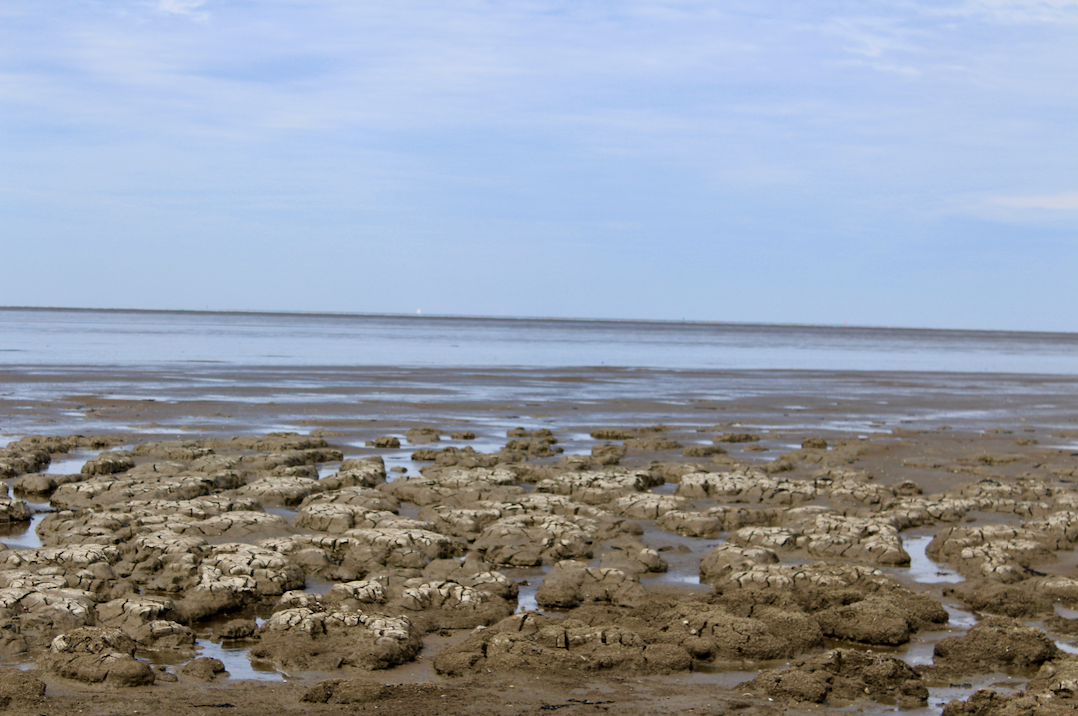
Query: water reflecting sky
{"x": 131, "y": 338}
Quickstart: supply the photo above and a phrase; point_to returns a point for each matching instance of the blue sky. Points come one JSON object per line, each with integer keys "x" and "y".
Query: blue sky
{"x": 900, "y": 163}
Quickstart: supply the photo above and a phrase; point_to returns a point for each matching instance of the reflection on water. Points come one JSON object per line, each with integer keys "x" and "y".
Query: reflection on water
{"x": 923, "y": 569}
{"x": 673, "y": 578}
{"x": 393, "y": 458}
{"x": 940, "y": 696}
{"x": 528, "y": 582}
{"x": 49, "y": 337}
{"x": 1066, "y": 646}
{"x": 317, "y": 586}
{"x": 22, "y": 535}
{"x": 71, "y": 464}
{"x": 960, "y": 618}
{"x": 235, "y": 655}
{"x": 236, "y": 658}
{"x": 288, "y": 514}
{"x": 1066, "y": 613}
{"x": 1061, "y": 611}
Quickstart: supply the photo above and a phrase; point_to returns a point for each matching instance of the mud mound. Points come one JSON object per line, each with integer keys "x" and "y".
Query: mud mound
{"x": 571, "y": 583}
{"x": 1009, "y": 600}
{"x": 656, "y": 637}
{"x": 712, "y": 633}
{"x": 531, "y": 643}
{"x": 532, "y": 539}
{"x": 204, "y": 668}
{"x": 843, "y": 674}
{"x": 992, "y": 644}
{"x": 845, "y": 602}
{"x": 97, "y": 655}
{"x": 351, "y": 691}
{"x": 302, "y": 639}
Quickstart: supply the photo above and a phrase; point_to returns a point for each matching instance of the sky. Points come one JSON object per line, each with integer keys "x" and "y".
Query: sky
{"x": 822, "y": 162}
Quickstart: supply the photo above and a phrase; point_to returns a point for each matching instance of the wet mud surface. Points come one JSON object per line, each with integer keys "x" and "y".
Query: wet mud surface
{"x": 702, "y": 556}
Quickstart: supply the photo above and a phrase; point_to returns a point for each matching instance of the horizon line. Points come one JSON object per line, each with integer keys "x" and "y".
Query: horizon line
{"x": 566, "y": 319}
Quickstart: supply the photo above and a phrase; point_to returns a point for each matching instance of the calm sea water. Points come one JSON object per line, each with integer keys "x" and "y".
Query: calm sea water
{"x": 95, "y": 338}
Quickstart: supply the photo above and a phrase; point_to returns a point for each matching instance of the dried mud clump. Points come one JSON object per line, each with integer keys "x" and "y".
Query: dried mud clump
{"x": 653, "y": 443}
{"x": 994, "y": 643}
{"x": 530, "y": 540}
{"x": 204, "y": 668}
{"x": 1008, "y": 600}
{"x": 109, "y": 463}
{"x": 849, "y": 602}
{"x": 653, "y": 637}
{"x": 844, "y": 675}
{"x": 13, "y": 511}
{"x": 607, "y": 454}
{"x": 384, "y": 441}
{"x": 15, "y": 461}
{"x": 736, "y": 438}
{"x": 819, "y": 532}
{"x": 745, "y": 486}
{"x": 303, "y": 639}
{"x": 998, "y": 552}
{"x": 572, "y": 582}
{"x": 601, "y": 486}
{"x": 33, "y": 453}
{"x": 529, "y": 642}
{"x": 448, "y": 595}
{"x": 346, "y": 691}
{"x": 97, "y": 655}
{"x": 717, "y": 633}
{"x": 613, "y": 434}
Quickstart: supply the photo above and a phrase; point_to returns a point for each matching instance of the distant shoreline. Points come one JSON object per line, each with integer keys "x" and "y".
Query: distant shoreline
{"x": 534, "y": 319}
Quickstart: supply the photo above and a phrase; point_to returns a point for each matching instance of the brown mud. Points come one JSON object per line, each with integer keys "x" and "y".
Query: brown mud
{"x": 740, "y": 556}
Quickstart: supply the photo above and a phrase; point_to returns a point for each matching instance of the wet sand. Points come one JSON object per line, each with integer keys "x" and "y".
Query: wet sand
{"x": 982, "y": 451}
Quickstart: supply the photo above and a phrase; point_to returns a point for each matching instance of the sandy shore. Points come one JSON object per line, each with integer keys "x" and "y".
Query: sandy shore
{"x": 953, "y": 495}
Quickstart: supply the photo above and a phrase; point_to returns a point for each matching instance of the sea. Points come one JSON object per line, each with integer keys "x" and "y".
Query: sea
{"x": 50, "y": 338}
{"x": 414, "y": 363}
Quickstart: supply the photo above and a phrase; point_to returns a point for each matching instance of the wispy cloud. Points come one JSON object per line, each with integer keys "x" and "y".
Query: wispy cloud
{"x": 1067, "y": 201}
{"x": 190, "y": 8}
{"x": 1024, "y": 11}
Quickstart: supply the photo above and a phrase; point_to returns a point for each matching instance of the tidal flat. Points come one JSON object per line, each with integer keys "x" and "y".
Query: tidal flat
{"x": 511, "y": 541}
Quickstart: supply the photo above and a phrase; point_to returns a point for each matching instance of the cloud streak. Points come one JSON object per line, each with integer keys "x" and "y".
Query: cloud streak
{"x": 1067, "y": 201}
{"x": 190, "y": 8}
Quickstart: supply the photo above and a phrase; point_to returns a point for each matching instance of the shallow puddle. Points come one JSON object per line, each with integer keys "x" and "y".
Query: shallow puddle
{"x": 528, "y": 582}
{"x": 70, "y": 464}
{"x": 922, "y": 569}
{"x": 317, "y": 586}
{"x": 286, "y": 513}
{"x": 960, "y": 617}
{"x": 1067, "y": 646}
{"x": 940, "y": 696}
{"x": 235, "y": 655}
{"x": 23, "y": 535}
{"x": 399, "y": 459}
{"x": 236, "y": 658}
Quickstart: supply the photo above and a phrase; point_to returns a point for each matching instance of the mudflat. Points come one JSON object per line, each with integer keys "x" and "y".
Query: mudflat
{"x": 412, "y": 542}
